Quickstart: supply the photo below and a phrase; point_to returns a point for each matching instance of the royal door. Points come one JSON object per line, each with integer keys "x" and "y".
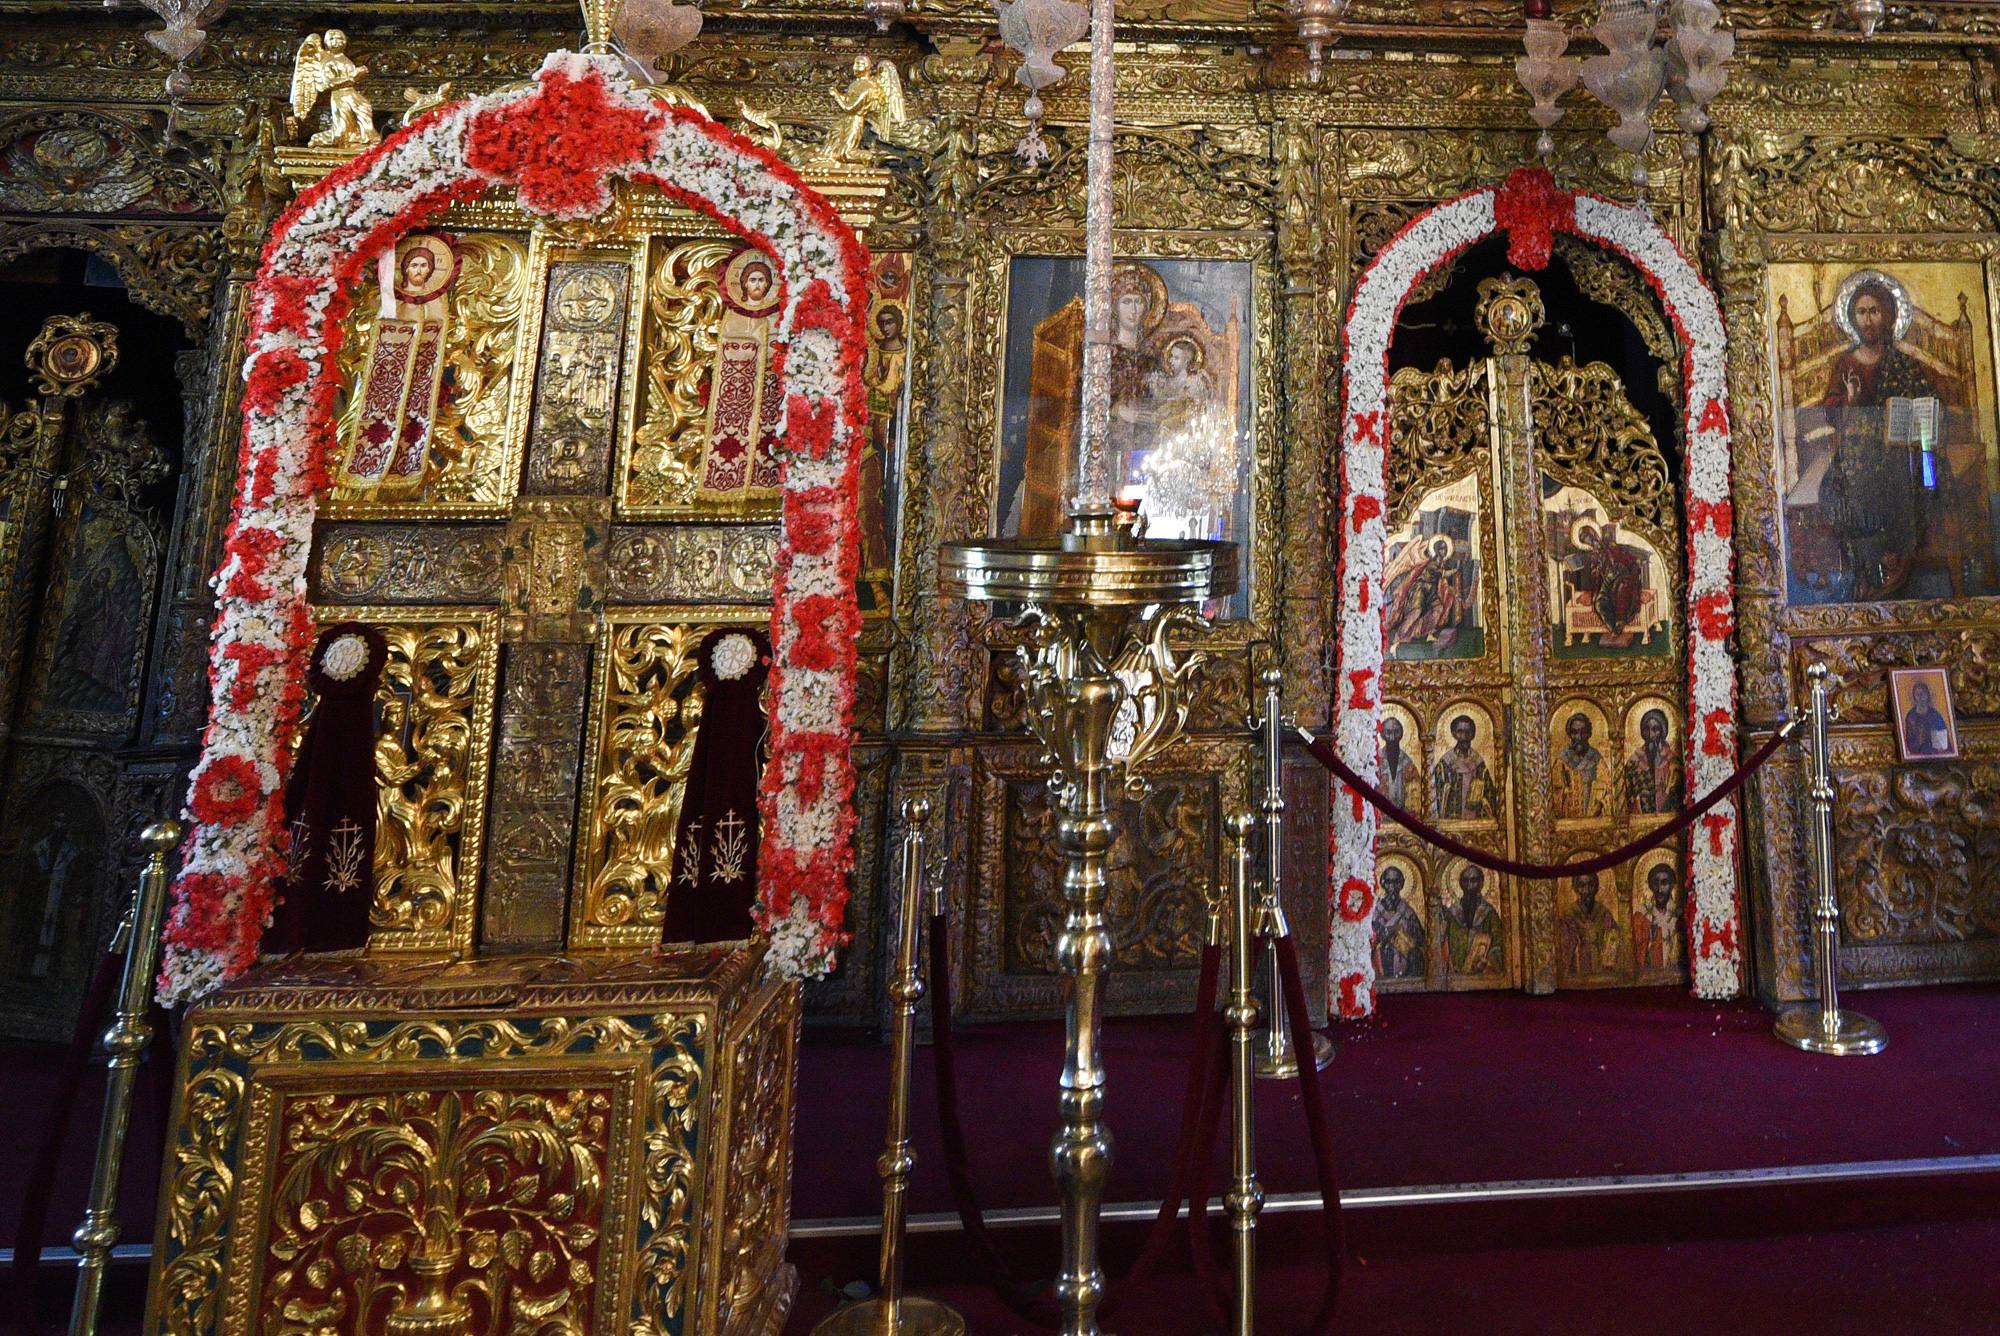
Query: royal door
{"x": 1535, "y": 680}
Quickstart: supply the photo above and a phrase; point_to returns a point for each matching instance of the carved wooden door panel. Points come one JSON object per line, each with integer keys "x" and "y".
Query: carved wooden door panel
{"x": 1534, "y": 689}
{"x": 80, "y": 553}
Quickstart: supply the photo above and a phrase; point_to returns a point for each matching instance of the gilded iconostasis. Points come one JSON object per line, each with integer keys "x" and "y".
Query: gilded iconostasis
{"x": 1844, "y": 206}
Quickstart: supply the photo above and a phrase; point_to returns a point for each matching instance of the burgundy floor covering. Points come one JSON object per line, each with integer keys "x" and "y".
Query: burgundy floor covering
{"x": 1448, "y": 1089}
{"x": 1437, "y": 1089}
{"x": 1933, "y": 1280}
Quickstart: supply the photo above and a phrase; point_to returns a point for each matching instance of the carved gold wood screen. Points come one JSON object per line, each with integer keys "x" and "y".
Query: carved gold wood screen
{"x": 542, "y": 499}
{"x": 1535, "y": 685}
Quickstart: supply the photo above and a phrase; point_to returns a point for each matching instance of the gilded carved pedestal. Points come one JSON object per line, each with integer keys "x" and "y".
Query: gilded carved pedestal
{"x": 597, "y": 1147}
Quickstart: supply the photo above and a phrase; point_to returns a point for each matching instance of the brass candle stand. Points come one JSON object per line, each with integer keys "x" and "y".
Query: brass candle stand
{"x": 893, "y": 1313}
{"x": 127, "y": 1040}
{"x": 1277, "y": 1059}
{"x": 1101, "y": 604}
{"x": 1825, "y": 1028}
{"x": 1245, "y": 1197}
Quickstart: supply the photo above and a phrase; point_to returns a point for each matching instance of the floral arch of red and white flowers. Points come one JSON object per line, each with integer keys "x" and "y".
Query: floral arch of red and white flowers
{"x": 1531, "y": 209}
{"x": 559, "y": 142}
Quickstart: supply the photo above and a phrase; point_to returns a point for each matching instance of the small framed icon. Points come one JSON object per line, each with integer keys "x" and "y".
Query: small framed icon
{"x": 1920, "y": 708}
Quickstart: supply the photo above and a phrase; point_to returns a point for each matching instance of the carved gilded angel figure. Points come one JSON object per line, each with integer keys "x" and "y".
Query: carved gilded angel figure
{"x": 873, "y": 100}
{"x": 323, "y": 67}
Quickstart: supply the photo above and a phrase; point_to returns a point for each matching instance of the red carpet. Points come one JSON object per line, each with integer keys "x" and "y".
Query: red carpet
{"x": 1439, "y": 1089}
{"x": 1448, "y": 1089}
{"x": 1939, "y": 1280}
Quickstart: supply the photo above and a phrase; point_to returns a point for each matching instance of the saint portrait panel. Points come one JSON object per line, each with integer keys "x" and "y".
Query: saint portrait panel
{"x": 1659, "y": 919}
{"x": 1471, "y": 924}
{"x": 400, "y": 382}
{"x": 428, "y": 370}
{"x": 101, "y": 626}
{"x": 1465, "y": 783}
{"x": 885, "y": 373}
{"x": 1653, "y": 777}
{"x": 1590, "y": 940}
{"x": 1921, "y": 712}
{"x": 1399, "y": 759}
{"x": 1609, "y": 593}
{"x": 1431, "y": 582}
{"x": 745, "y": 402}
{"x": 1583, "y": 762}
{"x": 1886, "y": 430}
{"x": 1402, "y": 943}
{"x": 1180, "y": 381}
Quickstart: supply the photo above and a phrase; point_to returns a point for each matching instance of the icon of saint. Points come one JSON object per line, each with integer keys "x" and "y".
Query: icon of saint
{"x": 1473, "y": 944}
{"x": 404, "y": 374}
{"x": 1587, "y": 939}
{"x": 1462, "y": 787}
{"x": 1399, "y": 930}
{"x": 1657, "y": 929}
{"x": 1427, "y": 590}
{"x": 884, "y": 373}
{"x": 746, "y": 402}
{"x": 1172, "y": 440}
{"x": 1396, "y": 770}
{"x": 1575, "y": 794}
{"x": 1925, "y": 732}
{"x": 1654, "y": 777}
{"x": 1612, "y": 575}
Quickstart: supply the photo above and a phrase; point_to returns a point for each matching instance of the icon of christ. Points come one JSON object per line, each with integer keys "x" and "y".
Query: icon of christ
{"x": 405, "y": 369}
{"x": 746, "y": 402}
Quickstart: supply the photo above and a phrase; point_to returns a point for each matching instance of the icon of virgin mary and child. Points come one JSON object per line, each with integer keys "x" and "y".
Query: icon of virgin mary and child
{"x": 1173, "y": 436}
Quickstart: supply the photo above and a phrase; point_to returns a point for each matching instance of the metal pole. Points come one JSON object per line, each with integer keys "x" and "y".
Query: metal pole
{"x": 892, "y": 1312}
{"x": 1278, "y": 1061}
{"x": 1826, "y": 1028}
{"x": 126, "y": 1039}
{"x": 1080, "y": 1157}
{"x": 1245, "y": 1197}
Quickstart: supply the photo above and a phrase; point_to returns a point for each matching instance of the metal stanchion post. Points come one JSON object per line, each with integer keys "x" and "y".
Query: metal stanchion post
{"x": 1277, "y": 1061}
{"x": 1245, "y": 1197}
{"x": 126, "y": 1039}
{"x": 1826, "y": 1028}
{"x": 894, "y": 1313}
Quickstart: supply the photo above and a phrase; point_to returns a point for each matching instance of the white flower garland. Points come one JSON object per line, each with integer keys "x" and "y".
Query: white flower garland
{"x": 1433, "y": 239}
{"x": 265, "y": 623}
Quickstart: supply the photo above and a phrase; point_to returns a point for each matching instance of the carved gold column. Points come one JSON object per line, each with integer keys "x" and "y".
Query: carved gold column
{"x": 1509, "y": 314}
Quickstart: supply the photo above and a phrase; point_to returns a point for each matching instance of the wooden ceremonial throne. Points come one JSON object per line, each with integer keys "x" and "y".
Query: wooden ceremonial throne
{"x": 515, "y": 1109}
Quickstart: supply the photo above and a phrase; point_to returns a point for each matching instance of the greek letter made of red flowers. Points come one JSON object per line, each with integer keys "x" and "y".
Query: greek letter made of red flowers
{"x": 228, "y": 792}
{"x": 1357, "y": 900}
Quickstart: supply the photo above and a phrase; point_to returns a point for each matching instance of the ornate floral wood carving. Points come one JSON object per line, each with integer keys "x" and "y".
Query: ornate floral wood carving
{"x": 172, "y": 268}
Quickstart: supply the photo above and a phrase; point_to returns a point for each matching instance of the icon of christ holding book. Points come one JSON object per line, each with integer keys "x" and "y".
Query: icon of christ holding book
{"x": 405, "y": 369}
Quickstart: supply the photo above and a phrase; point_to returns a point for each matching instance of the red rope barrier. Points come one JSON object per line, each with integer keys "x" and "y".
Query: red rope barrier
{"x": 1323, "y": 752}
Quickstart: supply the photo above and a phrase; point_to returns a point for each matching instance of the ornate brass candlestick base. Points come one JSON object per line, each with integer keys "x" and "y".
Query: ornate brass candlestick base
{"x": 1276, "y": 1059}
{"x": 1101, "y": 603}
{"x": 1826, "y": 1028}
